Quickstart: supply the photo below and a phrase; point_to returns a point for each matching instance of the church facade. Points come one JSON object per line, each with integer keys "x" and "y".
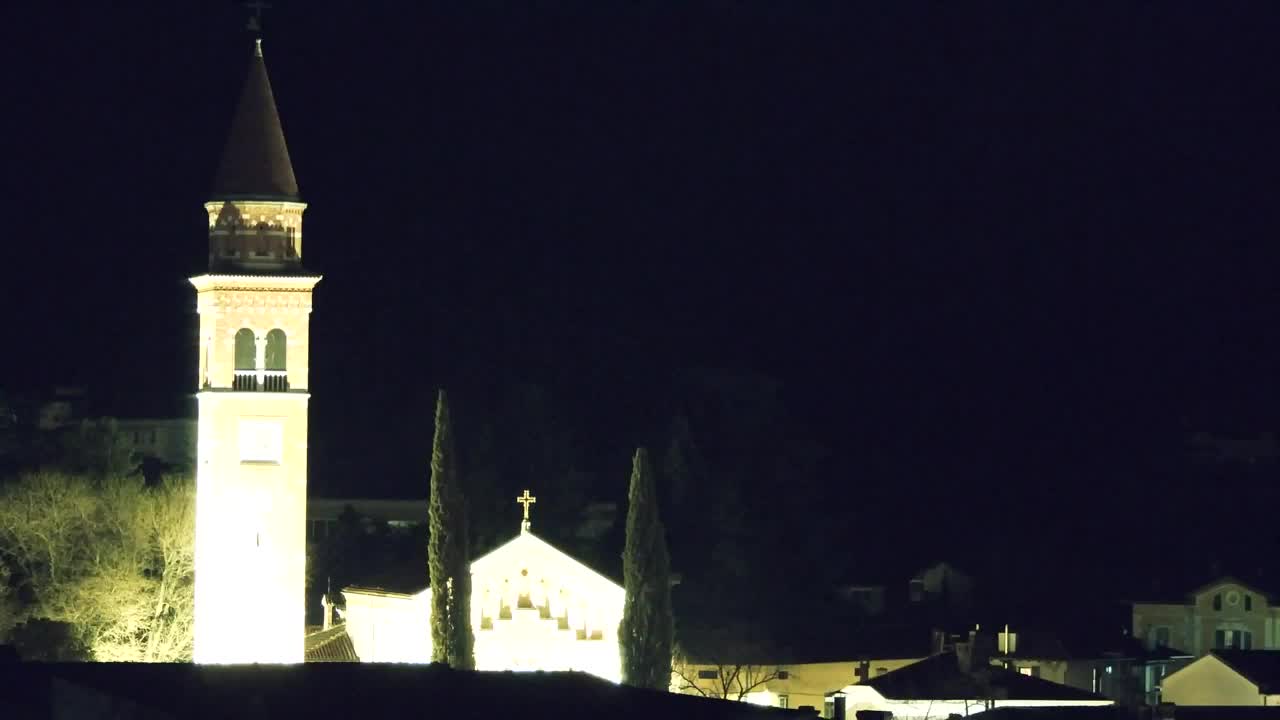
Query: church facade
{"x": 533, "y": 607}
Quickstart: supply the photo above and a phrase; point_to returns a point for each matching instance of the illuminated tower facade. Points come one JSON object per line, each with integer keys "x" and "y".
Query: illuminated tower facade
{"x": 251, "y": 477}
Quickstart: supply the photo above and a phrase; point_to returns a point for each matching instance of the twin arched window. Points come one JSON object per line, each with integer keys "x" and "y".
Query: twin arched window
{"x": 247, "y": 350}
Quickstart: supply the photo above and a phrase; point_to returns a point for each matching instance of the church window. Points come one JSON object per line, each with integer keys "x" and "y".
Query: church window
{"x": 246, "y": 350}
{"x": 1217, "y": 601}
{"x": 275, "y": 356}
{"x": 1248, "y": 603}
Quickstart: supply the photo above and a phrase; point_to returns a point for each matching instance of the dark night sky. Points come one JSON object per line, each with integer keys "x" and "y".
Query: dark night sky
{"x": 993, "y": 251}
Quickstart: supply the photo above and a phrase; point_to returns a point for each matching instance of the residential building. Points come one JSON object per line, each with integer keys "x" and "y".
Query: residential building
{"x": 170, "y": 441}
{"x": 1224, "y": 614}
{"x": 950, "y": 683}
{"x": 1119, "y": 667}
{"x": 779, "y": 684}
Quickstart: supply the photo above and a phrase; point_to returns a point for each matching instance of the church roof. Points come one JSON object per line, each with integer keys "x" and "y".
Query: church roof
{"x": 332, "y": 645}
{"x": 255, "y": 163}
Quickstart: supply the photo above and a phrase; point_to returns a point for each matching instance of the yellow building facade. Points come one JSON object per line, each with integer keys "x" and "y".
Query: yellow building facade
{"x": 252, "y": 388}
{"x": 788, "y": 685}
{"x": 1224, "y": 614}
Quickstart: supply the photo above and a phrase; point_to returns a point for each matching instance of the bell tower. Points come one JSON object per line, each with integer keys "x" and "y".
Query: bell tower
{"x": 251, "y": 477}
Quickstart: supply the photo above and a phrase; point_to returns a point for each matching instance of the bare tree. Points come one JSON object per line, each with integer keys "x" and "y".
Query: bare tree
{"x": 723, "y": 680}
{"x": 111, "y": 558}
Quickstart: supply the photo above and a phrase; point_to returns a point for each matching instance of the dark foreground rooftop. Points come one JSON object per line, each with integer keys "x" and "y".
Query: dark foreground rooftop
{"x": 122, "y": 690}
{"x": 1118, "y": 712}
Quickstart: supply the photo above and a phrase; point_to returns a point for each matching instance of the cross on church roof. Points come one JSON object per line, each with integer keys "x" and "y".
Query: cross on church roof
{"x": 526, "y": 500}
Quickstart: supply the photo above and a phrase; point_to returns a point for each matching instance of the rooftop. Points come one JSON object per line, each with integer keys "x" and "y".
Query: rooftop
{"x": 1260, "y": 667}
{"x": 941, "y": 678}
{"x": 255, "y": 163}
{"x": 351, "y": 690}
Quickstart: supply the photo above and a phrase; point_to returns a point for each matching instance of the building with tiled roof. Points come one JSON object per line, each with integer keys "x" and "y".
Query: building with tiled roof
{"x": 942, "y": 685}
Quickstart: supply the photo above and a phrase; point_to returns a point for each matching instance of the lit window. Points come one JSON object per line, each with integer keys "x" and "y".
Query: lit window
{"x": 1025, "y": 671}
{"x": 1225, "y": 639}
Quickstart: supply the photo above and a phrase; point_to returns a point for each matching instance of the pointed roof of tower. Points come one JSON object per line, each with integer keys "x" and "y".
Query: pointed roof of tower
{"x": 255, "y": 163}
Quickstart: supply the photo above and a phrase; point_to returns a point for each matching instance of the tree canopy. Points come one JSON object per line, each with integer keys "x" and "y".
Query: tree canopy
{"x": 110, "y": 559}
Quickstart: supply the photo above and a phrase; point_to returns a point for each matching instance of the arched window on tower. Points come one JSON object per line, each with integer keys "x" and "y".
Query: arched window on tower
{"x": 246, "y": 360}
{"x": 277, "y": 379}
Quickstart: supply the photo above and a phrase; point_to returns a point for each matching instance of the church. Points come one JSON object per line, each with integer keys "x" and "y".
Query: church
{"x": 533, "y": 607}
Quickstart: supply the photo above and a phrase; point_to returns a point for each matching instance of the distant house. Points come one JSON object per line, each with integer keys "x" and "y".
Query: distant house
{"x": 947, "y": 684}
{"x": 399, "y": 514}
{"x": 170, "y": 441}
{"x": 1226, "y": 614}
{"x": 797, "y": 672}
{"x": 940, "y": 589}
{"x": 1121, "y": 668}
{"x": 778, "y": 684}
{"x": 1227, "y": 677}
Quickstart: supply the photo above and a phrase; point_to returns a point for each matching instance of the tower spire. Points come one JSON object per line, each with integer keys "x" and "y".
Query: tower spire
{"x": 255, "y": 163}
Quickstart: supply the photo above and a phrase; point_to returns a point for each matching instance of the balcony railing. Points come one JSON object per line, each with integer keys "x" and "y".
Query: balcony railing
{"x": 261, "y": 380}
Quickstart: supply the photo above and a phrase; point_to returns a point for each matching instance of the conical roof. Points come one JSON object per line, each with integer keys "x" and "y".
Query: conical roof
{"x": 255, "y": 163}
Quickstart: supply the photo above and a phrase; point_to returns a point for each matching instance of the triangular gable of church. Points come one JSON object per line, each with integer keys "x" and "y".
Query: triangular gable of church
{"x": 526, "y": 550}
{"x": 507, "y": 560}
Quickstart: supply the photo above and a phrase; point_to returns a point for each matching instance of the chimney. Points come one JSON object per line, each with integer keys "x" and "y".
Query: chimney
{"x": 974, "y": 654}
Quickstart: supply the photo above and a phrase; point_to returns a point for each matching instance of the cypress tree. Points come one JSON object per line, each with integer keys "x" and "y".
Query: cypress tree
{"x": 646, "y": 634}
{"x": 452, "y": 641}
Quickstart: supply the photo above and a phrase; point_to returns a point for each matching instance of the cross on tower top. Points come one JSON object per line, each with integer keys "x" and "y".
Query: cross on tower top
{"x": 526, "y": 500}
{"x": 255, "y": 20}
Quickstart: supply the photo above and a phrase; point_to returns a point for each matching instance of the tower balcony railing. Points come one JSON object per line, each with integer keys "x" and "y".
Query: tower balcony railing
{"x": 261, "y": 380}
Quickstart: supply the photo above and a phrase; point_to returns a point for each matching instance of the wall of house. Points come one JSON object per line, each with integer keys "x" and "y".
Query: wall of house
{"x": 1236, "y": 617}
{"x": 804, "y": 684}
{"x": 386, "y": 627}
{"x": 1177, "y": 617}
{"x": 1208, "y": 681}
{"x": 1192, "y": 625}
